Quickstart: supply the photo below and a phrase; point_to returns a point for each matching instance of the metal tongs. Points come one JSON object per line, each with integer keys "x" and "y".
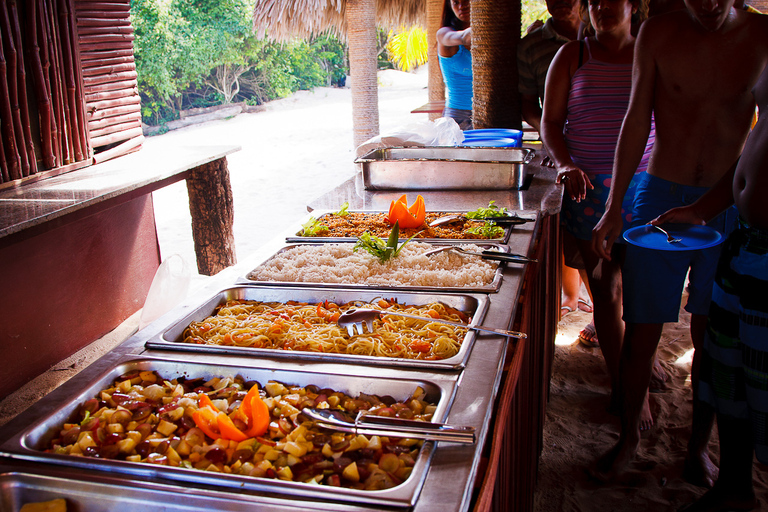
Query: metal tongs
{"x": 369, "y": 424}
{"x": 511, "y": 220}
{"x": 357, "y": 317}
{"x": 487, "y": 255}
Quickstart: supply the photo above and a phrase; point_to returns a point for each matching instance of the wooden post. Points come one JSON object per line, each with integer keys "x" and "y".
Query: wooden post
{"x": 212, "y": 210}
{"x": 435, "y": 85}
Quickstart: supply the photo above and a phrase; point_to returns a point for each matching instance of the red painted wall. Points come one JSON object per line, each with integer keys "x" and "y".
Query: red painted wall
{"x": 65, "y": 288}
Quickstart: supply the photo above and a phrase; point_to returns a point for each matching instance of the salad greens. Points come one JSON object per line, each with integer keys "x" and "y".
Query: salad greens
{"x": 313, "y": 227}
{"x": 492, "y": 210}
{"x": 344, "y": 211}
{"x": 489, "y": 229}
{"x": 377, "y": 247}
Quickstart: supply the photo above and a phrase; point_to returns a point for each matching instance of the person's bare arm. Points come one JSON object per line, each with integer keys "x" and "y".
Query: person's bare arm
{"x": 531, "y": 111}
{"x": 558, "y": 87}
{"x": 447, "y": 36}
{"x": 631, "y": 145}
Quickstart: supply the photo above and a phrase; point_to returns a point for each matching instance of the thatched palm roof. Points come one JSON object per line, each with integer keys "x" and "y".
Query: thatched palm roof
{"x": 286, "y": 19}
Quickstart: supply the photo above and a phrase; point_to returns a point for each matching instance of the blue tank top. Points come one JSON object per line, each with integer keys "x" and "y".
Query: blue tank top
{"x": 457, "y": 75}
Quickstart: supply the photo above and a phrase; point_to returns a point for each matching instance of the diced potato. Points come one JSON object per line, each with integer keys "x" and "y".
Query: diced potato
{"x": 246, "y": 468}
{"x": 350, "y": 472}
{"x": 248, "y": 444}
{"x": 183, "y": 448}
{"x": 292, "y": 398}
{"x": 333, "y": 400}
{"x": 173, "y": 455}
{"x": 148, "y": 376}
{"x": 275, "y": 388}
{"x": 176, "y": 414}
{"x": 57, "y": 505}
{"x": 126, "y": 445}
{"x": 85, "y": 439}
{"x": 222, "y": 443}
{"x": 213, "y": 468}
{"x": 166, "y": 428}
{"x": 115, "y": 428}
{"x": 132, "y": 425}
{"x": 374, "y": 443}
{"x": 295, "y": 449}
{"x": 134, "y": 434}
{"x": 272, "y": 454}
{"x": 133, "y": 458}
{"x": 292, "y": 460}
{"x": 285, "y": 473}
{"x": 125, "y": 386}
{"x": 357, "y": 443}
{"x": 221, "y": 404}
{"x": 327, "y": 450}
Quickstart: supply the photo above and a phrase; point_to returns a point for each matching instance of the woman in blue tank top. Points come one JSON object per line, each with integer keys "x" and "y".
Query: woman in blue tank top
{"x": 454, "y": 40}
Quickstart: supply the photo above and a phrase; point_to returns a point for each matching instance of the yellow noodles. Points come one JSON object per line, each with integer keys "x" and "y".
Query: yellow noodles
{"x": 313, "y": 328}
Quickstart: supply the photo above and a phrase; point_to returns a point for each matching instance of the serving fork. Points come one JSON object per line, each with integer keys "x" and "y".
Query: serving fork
{"x": 356, "y": 318}
{"x": 670, "y": 238}
{"x": 488, "y": 255}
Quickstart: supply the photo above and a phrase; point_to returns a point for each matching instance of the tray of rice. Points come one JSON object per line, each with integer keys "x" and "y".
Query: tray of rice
{"x": 329, "y": 226}
{"x": 300, "y": 323}
{"x": 241, "y": 429}
{"x": 445, "y": 168}
{"x": 341, "y": 265}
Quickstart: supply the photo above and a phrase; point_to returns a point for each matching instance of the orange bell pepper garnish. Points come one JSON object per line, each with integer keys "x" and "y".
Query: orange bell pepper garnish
{"x": 412, "y": 217}
{"x": 204, "y": 419}
{"x": 228, "y": 429}
{"x": 205, "y": 401}
{"x": 259, "y": 417}
{"x": 256, "y": 411}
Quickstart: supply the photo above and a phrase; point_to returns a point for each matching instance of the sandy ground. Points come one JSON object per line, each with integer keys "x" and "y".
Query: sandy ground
{"x": 578, "y": 429}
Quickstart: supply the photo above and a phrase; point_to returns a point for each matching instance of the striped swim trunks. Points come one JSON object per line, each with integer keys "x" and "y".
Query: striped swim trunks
{"x": 734, "y": 366}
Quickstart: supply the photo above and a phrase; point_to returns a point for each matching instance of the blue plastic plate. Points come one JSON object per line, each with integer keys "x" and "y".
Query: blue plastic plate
{"x": 497, "y": 142}
{"x": 493, "y": 132}
{"x": 692, "y": 237}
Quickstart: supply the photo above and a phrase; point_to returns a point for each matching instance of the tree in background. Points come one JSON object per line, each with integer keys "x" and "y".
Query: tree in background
{"x": 408, "y": 47}
{"x": 193, "y": 53}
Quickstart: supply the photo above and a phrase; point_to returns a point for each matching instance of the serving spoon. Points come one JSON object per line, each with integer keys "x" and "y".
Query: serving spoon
{"x": 487, "y": 255}
{"x": 370, "y": 424}
{"x": 511, "y": 220}
{"x": 357, "y": 317}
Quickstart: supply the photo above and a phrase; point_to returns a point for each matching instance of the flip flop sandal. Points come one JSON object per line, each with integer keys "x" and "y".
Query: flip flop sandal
{"x": 588, "y": 336}
{"x": 568, "y": 311}
{"x": 585, "y": 305}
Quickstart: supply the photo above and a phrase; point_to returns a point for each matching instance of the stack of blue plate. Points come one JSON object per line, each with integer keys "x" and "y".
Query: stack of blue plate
{"x": 493, "y": 138}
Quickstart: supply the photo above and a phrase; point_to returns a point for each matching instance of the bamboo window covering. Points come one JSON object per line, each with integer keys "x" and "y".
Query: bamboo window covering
{"x": 112, "y": 102}
{"x": 68, "y": 86}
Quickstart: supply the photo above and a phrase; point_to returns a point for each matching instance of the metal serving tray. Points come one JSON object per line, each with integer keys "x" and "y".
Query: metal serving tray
{"x": 475, "y": 305}
{"x": 445, "y": 168}
{"x": 89, "y": 492}
{"x": 28, "y": 444}
{"x": 492, "y": 287}
{"x": 318, "y": 214}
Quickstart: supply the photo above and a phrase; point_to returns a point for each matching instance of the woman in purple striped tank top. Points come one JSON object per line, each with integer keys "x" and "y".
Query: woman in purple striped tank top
{"x": 586, "y": 97}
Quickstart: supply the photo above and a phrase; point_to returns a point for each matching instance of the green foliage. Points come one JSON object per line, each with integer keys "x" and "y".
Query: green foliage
{"x": 532, "y": 10}
{"x": 193, "y": 53}
{"x": 408, "y": 48}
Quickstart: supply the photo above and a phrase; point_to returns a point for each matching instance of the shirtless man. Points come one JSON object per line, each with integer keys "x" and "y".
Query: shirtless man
{"x": 740, "y": 283}
{"x": 694, "y": 69}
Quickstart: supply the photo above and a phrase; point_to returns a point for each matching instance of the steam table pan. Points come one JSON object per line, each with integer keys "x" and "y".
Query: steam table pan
{"x": 475, "y": 305}
{"x": 491, "y": 287}
{"x": 28, "y": 445}
{"x": 445, "y": 168}
{"x": 319, "y": 214}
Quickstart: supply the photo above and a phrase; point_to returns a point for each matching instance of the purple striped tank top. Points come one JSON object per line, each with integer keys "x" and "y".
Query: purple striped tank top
{"x": 597, "y": 102}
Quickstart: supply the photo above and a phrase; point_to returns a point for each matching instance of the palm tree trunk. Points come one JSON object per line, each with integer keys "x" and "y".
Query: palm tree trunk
{"x": 495, "y": 35}
{"x": 361, "y": 32}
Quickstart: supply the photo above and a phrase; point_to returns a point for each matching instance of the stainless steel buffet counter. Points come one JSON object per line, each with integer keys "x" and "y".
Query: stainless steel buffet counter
{"x": 455, "y": 472}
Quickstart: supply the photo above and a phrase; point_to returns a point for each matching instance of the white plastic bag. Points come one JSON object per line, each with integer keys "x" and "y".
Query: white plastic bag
{"x": 169, "y": 287}
{"x": 442, "y": 132}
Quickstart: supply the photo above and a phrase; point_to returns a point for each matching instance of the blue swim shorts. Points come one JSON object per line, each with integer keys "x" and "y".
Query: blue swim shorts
{"x": 580, "y": 218}
{"x": 734, "y": 362}
{"x": 653, "y": 279}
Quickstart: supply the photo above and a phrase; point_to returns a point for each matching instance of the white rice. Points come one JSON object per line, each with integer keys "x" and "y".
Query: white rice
{"x": 336, "y": 263}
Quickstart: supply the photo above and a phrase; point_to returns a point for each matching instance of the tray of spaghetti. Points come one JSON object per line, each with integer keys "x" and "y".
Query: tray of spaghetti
{"x": 344, "y": 265}
{"x": 330, "y": 226}
{"x": 300, "y": 323}
{"x": 241, "y": 428}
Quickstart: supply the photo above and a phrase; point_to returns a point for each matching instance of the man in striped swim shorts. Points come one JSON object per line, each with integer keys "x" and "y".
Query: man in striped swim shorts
{"x": 734, "y": 366}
